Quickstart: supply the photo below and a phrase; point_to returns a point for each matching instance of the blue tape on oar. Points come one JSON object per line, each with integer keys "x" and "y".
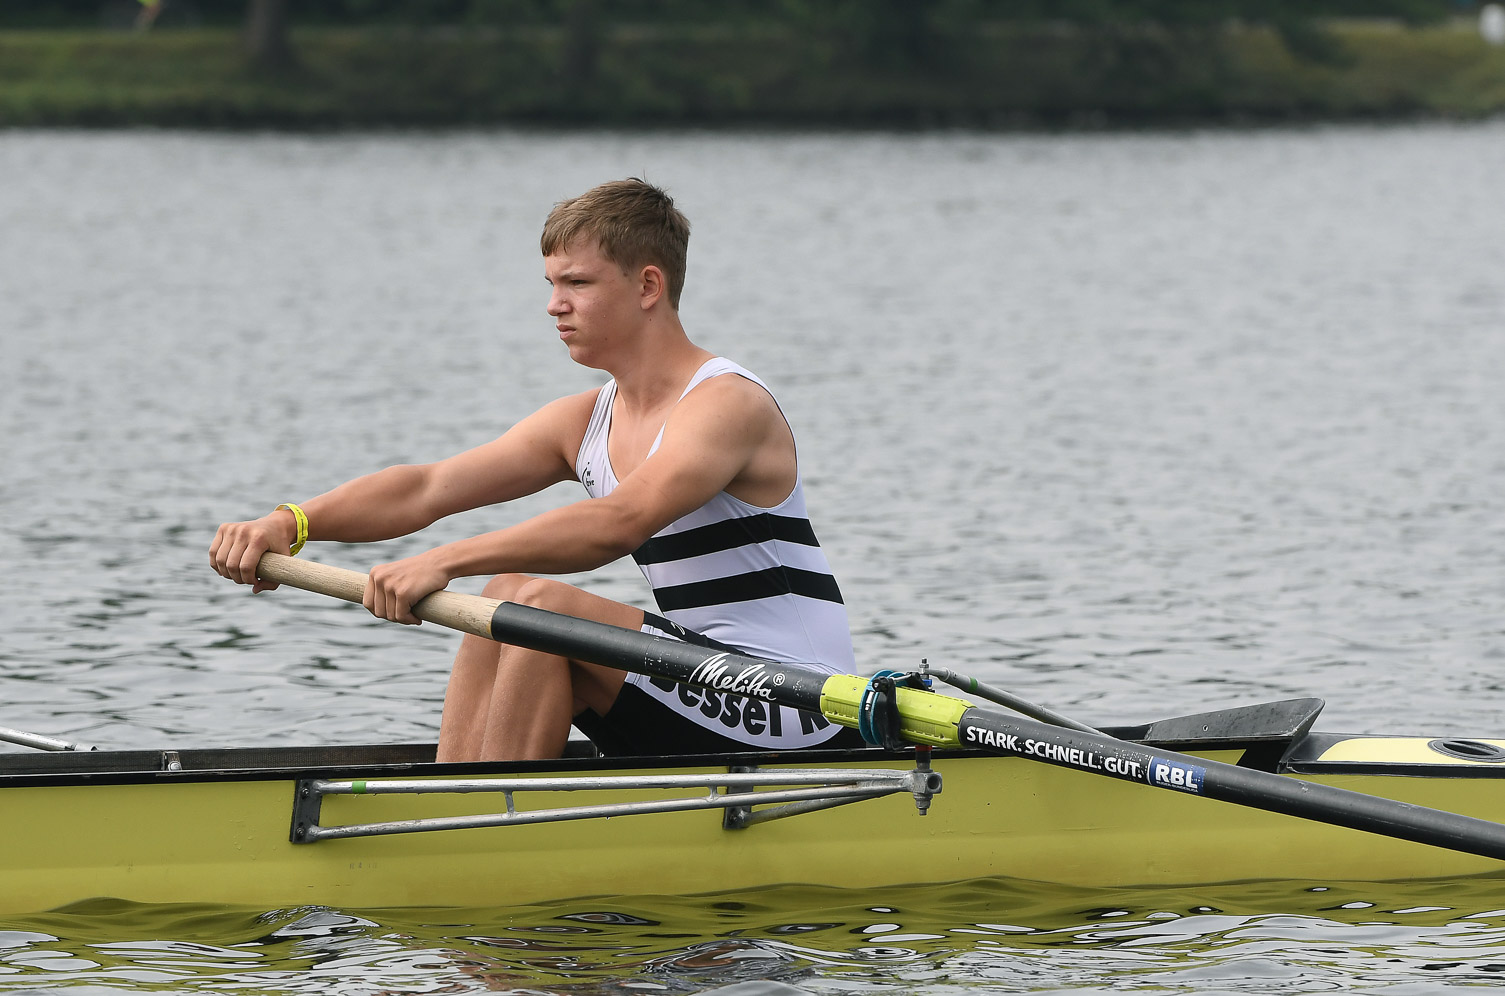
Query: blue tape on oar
{"x": 868, "y": 707}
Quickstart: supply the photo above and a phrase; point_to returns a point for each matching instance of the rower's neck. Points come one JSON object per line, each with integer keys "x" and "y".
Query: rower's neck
{"x": 651, "y": 378}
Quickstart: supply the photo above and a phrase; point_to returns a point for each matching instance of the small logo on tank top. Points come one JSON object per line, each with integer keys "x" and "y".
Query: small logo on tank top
{"x": 587, "y": 480}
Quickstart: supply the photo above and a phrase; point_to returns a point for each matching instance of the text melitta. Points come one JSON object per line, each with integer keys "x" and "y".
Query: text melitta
{"x": 715, "y": 673}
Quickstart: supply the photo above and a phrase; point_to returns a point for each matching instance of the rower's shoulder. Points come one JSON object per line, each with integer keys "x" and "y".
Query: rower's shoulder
{"x": 571, "y": 408}
{"x": 731, "y": 406}
{"x": 734, "y": 387}
{"x": 561, "y": 424}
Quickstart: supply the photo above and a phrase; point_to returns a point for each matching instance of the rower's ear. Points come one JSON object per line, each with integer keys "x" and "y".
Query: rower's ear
{"x": 652, "y": 287}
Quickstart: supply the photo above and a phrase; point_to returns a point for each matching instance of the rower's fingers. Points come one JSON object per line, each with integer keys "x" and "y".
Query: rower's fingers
{"x": 405, "y": 613}
{"x": 231, "y": 557}
{"x": 378, "y": 598}
{"x": 250, "y": 558}
{"x": 236, "y": 551}
{"x": 389, "y": 594}
{"x": 222, "y": 553}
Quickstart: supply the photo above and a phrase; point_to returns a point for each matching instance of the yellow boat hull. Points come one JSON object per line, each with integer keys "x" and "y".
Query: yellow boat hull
{"x": 224, "y": 836}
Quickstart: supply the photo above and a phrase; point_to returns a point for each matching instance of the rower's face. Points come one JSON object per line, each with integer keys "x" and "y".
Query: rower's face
{"x": 593, "y": 303}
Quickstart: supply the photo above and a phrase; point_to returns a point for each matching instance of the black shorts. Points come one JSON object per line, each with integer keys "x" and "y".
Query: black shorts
{"x": 640, "y": 725}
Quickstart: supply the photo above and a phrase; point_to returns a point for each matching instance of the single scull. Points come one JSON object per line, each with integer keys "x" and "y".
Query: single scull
{"x": 1231, "y": 795}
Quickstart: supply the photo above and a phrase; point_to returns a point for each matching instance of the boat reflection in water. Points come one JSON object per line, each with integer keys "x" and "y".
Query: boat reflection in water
{"x": 992, "y": 932}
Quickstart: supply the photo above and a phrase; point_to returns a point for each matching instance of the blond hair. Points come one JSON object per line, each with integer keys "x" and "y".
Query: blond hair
{"x": 634, "y": 223}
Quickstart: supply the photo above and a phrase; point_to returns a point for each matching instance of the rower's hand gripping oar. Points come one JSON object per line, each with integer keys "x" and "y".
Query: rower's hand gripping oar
{"x": 924, "y": 718}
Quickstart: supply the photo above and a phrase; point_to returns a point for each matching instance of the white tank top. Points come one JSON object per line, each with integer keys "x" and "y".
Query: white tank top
{"x": 751, "y": 577}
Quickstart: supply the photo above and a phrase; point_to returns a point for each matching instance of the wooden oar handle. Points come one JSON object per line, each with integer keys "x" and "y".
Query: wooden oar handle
{"x": 455, "y": 610}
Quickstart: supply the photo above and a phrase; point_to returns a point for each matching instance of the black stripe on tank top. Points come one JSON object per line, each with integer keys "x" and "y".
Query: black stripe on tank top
{"x": 771, "y": 583}
{"x": 727, "y": 534}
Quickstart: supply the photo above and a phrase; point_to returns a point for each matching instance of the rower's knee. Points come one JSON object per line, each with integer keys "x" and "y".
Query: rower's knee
{"x": 543, "y": 593}
{"x": 592, "y": 686}
{"x": 505, "y": 586}
{"x": 567, "y": 600}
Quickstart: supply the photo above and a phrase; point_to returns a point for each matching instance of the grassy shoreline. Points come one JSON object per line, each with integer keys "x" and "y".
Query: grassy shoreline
{"x": 996, "y": 77}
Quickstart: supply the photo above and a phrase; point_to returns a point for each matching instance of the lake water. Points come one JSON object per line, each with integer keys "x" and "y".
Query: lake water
{"x": 1133, "y": 425}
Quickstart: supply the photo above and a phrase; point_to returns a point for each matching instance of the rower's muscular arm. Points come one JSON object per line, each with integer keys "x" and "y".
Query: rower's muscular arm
{"x": 726, "y": 435}
{"x": 532, "y": 455}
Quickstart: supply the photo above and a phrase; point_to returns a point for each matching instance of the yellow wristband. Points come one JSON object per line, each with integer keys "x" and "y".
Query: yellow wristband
{"x": 302, "y": 527}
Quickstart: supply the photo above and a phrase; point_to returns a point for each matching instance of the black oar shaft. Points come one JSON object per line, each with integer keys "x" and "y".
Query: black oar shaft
{"x": 580, "y": 639}
{"x": 1101, "y": 755}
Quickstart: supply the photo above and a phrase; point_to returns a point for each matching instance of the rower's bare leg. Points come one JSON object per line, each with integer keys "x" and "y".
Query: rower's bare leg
{"x": 509, "y": 703}
{"x": 467, "y": 700}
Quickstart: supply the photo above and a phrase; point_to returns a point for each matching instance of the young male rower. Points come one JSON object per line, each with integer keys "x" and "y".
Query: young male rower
{"x": 689, "y": 466}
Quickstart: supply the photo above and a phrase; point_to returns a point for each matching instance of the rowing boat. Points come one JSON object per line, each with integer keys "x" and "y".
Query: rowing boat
{"x": 222, "y": 825}
{"x": 957, "y": 791}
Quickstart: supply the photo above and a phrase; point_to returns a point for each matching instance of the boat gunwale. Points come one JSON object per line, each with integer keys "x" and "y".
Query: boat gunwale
{"x": 145, "y": 766}
{"x": 1265, "y": 733}
{"x": 1296, "y": 753}
{"x": 236, "y": 764}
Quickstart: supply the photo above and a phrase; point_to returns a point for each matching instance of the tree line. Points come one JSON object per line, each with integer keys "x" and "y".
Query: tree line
{"x": 896, "y": 34}
{"x": 833, "y": 13}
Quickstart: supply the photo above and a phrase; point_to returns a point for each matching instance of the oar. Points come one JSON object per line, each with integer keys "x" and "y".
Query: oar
{"x": 925, "y": 718}
{"x": 39, "y": 742}
{"x": 1009, "y": 699}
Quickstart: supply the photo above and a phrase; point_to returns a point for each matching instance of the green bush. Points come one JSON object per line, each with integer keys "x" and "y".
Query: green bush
{"x": 985, "y": 74}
